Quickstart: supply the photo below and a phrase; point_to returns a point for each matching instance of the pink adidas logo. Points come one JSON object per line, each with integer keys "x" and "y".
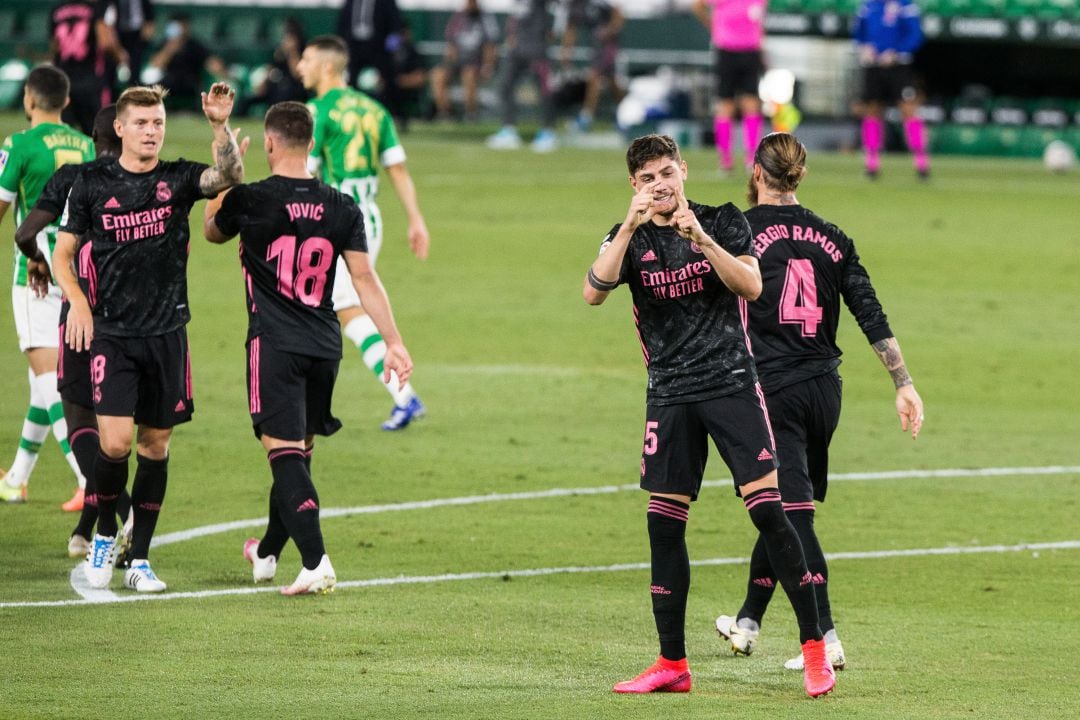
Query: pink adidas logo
{"x": 179, "y": 407}
{"x": 112, "y": 204}
{"x": 649, "y": 256}
{"x": 308, "y": 504}
{"x": 764, "y": 454}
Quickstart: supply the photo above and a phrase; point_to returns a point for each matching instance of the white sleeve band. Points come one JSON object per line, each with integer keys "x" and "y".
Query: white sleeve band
{"x": 7, "y": 195}
{"x": 392, "y": 156}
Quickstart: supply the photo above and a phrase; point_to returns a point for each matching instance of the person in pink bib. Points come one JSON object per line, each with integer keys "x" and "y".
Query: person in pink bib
{"x": 738, "y": 29}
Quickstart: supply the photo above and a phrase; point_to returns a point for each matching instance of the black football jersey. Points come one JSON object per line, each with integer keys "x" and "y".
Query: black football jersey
{"x": 807, "y": 266}
{"x": 136, "y": 225}
{"x": 291, "y": 234}
{"x": 691, "y": 326}
{"x": 74, "y": 35}
{"x": 52, "y": 200}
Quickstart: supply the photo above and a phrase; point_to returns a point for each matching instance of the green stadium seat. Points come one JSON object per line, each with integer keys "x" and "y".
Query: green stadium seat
{"x": 7, "y": 23}
{"x": 956, "y": 139}
{"x": 1072, "y": 136}
{"x": 1033, "y": 140}
{"x": 204, "y": 26}
{"x": 36, "y": 27}
{"x": 1023, "y": 8}
{"x": 1009, "y": 111}
{"x": 815, "y": 7}
{"x": 988, "y": 8}
{"x": 242, "y": 31}
{"x": 785, "y": 6}
{"x": 1050, "y": 112}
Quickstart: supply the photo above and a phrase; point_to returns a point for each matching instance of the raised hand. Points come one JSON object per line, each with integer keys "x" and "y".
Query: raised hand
{"x": 217, "y": 104}
{"x": 641, "y": 207}
{"x": 685, "y": 221}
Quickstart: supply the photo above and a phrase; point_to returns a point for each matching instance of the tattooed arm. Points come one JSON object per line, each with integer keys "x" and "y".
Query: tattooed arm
{"x": 228, "y": 168}
{"x": 909, "y": 406}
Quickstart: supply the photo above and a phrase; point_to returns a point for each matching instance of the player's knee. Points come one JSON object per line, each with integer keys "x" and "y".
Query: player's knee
{"x": 766, "y": 510}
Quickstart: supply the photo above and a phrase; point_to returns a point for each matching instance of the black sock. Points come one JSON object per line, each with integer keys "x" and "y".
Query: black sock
{"x": 85, "y": 445}
{"x": 123, "y": 506}
{"x": 298, "y": 503}
{"x": 803, "y": 520}
{"x": 786, "y": 557}
{"x": 760, "y": 586}
{"x": 670, "y": 573}
{"x": 276, "y": 535}
{"x": 308, "y": 452}
{"x": 147, "y": 494}
{"x": 110, "y": 479}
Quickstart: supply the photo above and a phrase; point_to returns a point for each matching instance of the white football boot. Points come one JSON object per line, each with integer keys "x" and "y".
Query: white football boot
{"x": 743, "y": 639}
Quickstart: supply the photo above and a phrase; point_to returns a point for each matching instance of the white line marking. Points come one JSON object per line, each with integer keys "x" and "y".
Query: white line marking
{"x": 538, "y": 572}
{"x": 183, "y": 535}
{"x": 80, "y": 585}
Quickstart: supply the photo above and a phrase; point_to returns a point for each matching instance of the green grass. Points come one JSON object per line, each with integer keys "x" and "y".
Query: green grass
{"x": 529, "y": 389}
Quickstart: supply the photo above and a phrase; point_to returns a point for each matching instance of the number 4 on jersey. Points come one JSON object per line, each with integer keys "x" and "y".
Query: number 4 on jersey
{"x": 798, "y": 302}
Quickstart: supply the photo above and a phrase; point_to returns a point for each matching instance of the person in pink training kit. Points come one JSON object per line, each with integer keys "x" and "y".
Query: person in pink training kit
{"x": 738, "y": 29}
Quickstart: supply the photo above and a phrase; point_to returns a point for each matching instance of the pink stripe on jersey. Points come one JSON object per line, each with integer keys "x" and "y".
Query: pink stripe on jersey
{"x": 187, "y": 372}
{"x": 254, "y": 399}
{"x": 669, "y": 510}
{"x": 765, "y": 413}
{"x": 738, "y": 25}
{"x": 763, "y": 497}
{"x": 637, "y": 328}
{"x": 88, "y": 271}
{"x": 789, "y": 507}
{"x": 60, "y": 357}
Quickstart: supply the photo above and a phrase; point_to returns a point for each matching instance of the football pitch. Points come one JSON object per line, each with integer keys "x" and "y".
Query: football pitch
{"x": 492, "y": 560}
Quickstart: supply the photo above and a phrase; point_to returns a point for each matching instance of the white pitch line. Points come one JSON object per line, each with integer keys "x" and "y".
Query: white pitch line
{"x": 539, "y": 572}
{"x": 80, "y": 585}
{"x": 191, "y": 534}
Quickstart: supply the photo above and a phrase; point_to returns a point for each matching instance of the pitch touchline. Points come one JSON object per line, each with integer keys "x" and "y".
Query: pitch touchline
{"x": 538, "y": 572}
{"x": 205, "y": 530}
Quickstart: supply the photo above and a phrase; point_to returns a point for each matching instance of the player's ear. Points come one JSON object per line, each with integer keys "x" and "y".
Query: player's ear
{"x": 633, "y": 182}
{"x": 118, "y": 127}
{"x": 310, "y": 145}
{"x": 682, "y": 169}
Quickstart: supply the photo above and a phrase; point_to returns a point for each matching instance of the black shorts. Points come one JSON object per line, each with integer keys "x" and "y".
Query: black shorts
{"x": 676, "y": 442}
{"x": 738, "y": 73}
{"x": 804, "y": 418}
{"x": 73, "y": 374}
{"x": 888, "y": 84}
{"x": 148, "y": 378}
{"x": 289, "y": 395}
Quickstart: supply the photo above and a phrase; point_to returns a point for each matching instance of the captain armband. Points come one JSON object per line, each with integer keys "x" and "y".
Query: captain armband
{"x": 601, "y": 285}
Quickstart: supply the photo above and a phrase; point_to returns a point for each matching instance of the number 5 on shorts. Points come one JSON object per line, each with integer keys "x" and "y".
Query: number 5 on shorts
{"x": 650, "y": 438}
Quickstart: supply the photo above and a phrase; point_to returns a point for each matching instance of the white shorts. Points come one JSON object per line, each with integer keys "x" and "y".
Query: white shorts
{"x": 344, "y": 295}
{"x": 36, "y": 319}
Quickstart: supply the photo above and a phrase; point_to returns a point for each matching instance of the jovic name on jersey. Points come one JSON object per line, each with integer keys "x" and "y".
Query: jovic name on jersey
{"x": 291, "y": 233}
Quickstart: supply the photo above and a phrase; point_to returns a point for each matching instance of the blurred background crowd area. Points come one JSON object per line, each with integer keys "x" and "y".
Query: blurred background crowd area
{"x": 998, "y": 77}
